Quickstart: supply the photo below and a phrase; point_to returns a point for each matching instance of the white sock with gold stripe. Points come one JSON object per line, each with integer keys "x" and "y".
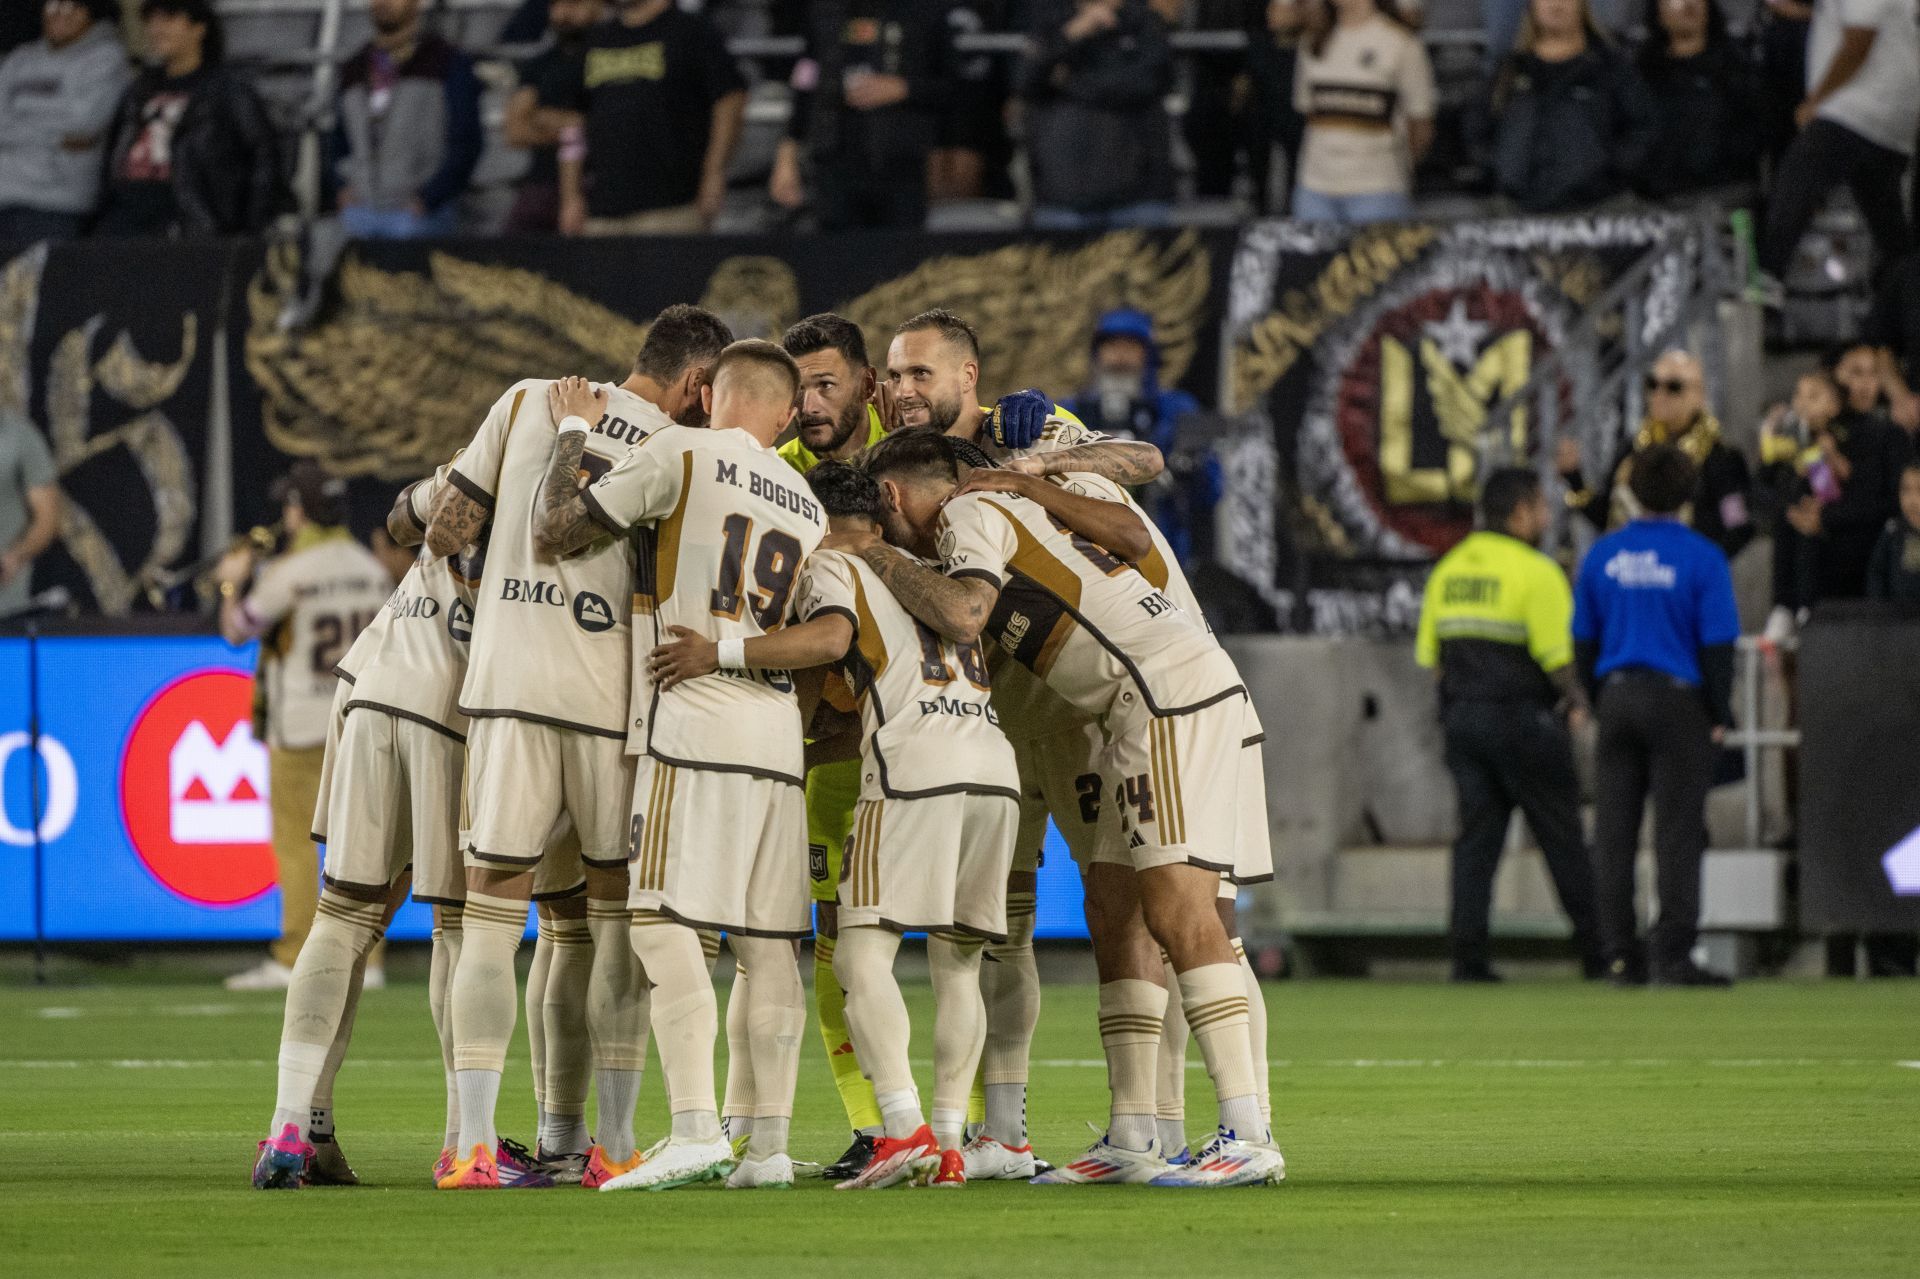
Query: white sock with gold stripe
{"x": 483, "y": 1011}
{"x": 344, "y": 930}
{"x": 1215, "y": 999}
{"x": 1130, "y": 1014}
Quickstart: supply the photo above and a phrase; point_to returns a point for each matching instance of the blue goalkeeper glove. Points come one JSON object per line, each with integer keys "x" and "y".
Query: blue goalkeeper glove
{"x": 1019, "y": 419}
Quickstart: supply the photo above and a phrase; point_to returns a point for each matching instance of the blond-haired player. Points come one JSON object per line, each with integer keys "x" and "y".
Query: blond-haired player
{"x": 933, "y": 832}
{"x": 1116, "y": 647}
{"x": 718, "y": 832}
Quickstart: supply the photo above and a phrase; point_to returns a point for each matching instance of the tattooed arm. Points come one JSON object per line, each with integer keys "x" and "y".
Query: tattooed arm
{"x": 1112, "y": 525}
{"x": 402, "y": 525}
{"x": 562, "y": 524}
{"x": 956, "y": 607}
{"x": 1127, "y": 462}
{"x": 455, "y": 520}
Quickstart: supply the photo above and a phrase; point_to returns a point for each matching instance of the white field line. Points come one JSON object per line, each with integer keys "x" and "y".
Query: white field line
{"x": 1082, "y": 1063}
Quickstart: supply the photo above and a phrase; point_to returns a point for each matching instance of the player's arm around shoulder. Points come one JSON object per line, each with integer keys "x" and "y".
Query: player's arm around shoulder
{"x": 1090, "y": 505}
{"x": 955, "y": 603}
{"x": 464, "y": 504}
{"x": 1067, "y": 445}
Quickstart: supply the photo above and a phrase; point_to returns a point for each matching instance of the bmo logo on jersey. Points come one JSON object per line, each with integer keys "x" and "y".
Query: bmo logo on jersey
{"x": 531, "y": 590}
{"x": 193, "y": 790}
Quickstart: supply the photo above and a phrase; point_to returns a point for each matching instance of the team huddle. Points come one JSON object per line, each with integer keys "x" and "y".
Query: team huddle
{"x": 669, "y": 679}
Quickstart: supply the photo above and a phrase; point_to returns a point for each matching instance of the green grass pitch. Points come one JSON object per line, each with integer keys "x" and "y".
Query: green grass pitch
{"x": 1543, "y": 1128}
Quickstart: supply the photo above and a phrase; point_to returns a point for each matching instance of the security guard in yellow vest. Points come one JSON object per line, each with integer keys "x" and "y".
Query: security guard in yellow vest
{"x": 1497, "y": 622}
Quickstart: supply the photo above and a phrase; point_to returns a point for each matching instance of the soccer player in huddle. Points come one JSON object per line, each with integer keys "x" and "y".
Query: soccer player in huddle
{"x": 1117, "y": 647}
{"x": 389, "y": 814}
{"x": 718, "y": 824}
{"x": 547, "y": 690}
{"x": 933, "y": 832}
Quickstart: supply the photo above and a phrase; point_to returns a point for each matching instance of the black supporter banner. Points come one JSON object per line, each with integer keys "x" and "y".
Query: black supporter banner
{"x": 108, "y": 347}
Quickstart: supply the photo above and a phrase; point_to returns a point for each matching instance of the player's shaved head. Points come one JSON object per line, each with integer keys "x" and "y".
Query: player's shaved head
{"x": 845, "y": 491}
{"x": 752, "y": 386}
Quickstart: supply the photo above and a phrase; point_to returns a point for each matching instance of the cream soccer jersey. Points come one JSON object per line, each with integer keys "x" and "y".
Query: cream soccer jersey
{"x": 550, "y": 635}
{"x": 927, "y": 727}
{"x": 726, "y": 525}
{"x": 412, "y": 659}
{"x": 310, "y": 604}
{"x": 1091, "y": 626}
{"x": 1160, "y": 566}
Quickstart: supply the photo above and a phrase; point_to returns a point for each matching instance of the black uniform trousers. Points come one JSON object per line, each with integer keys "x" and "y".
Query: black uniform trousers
{"x": 1505, "y": 755}
{"x": 1656, "y": 738}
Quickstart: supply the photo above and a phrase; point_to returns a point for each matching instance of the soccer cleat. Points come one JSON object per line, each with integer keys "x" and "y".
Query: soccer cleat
{"x": 600, "y": 1170}
{"x": 897, "y": 1158}
{"x": 1106, "y": 1164}
{"x": 1182, "y": 1159}
{"x": 567, "y": 1168}
{"x": 268, "y": 974}
{"x": 952, "y": 1173}
{"x": 989, "y": 1160}
{"x": 677, "y": 1163}
{"x": 281, "y": 1162}
{"x": 444, "y": 1164}
{"x": 775, "y": 1172}
{"x": 1228, "y": 1161}
{"x": 328, "y": 1165}
{"x": 852, "y": 1161}
{"x": 518, "y": 1170}
{"x": 373, "y": 979}
{"x": 477, "y": 1171}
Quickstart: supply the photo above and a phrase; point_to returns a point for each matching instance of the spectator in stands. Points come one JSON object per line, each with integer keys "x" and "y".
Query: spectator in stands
{"x": 1568, "y": 123}
{"x": 662, "y": 103}
{"x": 1893, "y": 325}
{"x": 1366, "y": 89}
{"x": 974, "y": 150}
{"x": 1705, "y": 100}
{"x": 57, "y": 95}
{"x": 29, "y": 507}
{"x": 1857, "y": 369}
{"x": 1857, "y": 127}
{"x": 868, "y": 96}
{"x": 1495, "y": 625}
{"x": 1125, "y": 399}
{"x": 1783, "y": 71}
{"x": 1677, "y": 415}
{"x": 1894, "y": 571}
{"x": 1654, "y": 624}
{"x": 191, "y": 151}
{"x": 1215, "y": 124}
{"x": 19, "y": 24}
{"x": 541, "y": 118}
{"x": 408, "y": 135}
{"x": 1273, "y": 56}
{"x": 1098, "y": 138}
{"x": 1837, "y": 471}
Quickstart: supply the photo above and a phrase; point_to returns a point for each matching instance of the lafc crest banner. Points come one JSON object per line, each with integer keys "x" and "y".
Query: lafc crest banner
{"x": 1362, "y": 365}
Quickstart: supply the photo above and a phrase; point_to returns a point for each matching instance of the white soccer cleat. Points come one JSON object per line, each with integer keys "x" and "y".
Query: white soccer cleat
{"x": 374, "y": 979}
{"x": 268, "y": 974}
{"x": 1228, "y": 1161}
{"x": 678, "y": 1163}
{"x": 1106, "y": 1164}
{"x": 991, "y": 1160}
{"x": 775, "y": 1172}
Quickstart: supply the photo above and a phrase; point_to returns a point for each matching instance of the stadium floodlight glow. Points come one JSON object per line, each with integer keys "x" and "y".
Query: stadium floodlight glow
{"x": 1902, "y": 864}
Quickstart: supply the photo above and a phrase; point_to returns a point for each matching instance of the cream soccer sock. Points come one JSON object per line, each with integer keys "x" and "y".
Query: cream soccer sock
{"x": 344, "y": 930}
{"x": 1010, "y": 987}
{"x": 739, "y": 1106}
{"x": 1131, "y": 1011}
{"x": 569, "y": 1050}
{"x": 776, "y": 1019}
{"x": 1256, "y": 1031}
{"x": 877, "y": 1019}
{"x": 483, "y": 1009}
{"x": 447, "y": 935}
{"x": 617, "y": 1010}
{"x": 1170, "y": 1093}
{"x": 536, "y": 1000}
{"x": 320, "y": 1114}
{"x": 686, "y": 1020}
{"x": 959, "y": 1031}
{"x": 1215, "y": 998}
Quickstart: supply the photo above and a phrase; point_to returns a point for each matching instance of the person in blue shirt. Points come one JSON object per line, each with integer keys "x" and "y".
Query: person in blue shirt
{"x": 1653, "y": 627}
